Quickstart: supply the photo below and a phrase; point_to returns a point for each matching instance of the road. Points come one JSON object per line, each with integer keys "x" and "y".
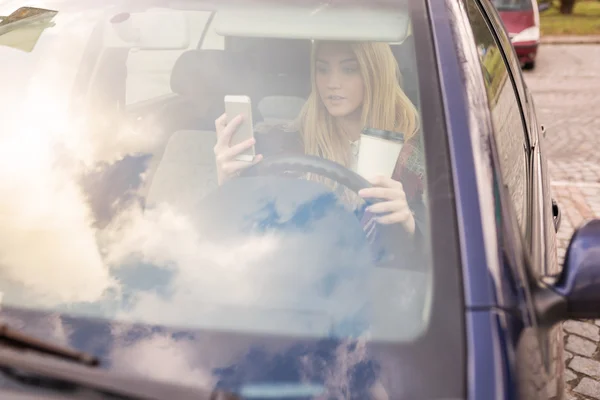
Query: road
{"x": 566, "y": 89}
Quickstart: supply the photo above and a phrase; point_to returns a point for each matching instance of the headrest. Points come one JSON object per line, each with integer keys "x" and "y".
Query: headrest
{"x": 276, "y": 55}
{"x": 211, "y": 74}
{"x": 283, "y": 64}
{"x": 285, "y": 108}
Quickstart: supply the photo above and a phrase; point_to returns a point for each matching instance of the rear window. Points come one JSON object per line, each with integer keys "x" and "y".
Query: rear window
{"x": 513, "y": 5}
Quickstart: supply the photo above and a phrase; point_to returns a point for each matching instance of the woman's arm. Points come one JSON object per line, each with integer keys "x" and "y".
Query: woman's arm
{"x": 402, "y": 192}
{"x": 225, "y": 154}
{"x": 272, "y": 141}
{"x": 393, "y": 206}
{"x": 403, "y": 203}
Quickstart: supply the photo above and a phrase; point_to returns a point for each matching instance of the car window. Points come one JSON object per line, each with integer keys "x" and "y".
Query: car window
{"x": 504, "y": 39}
{"x": 513, "y": 5}
{"x": 509, "y": 132}
{"x": 149, "y": 70}
{"x": 302, "y": 247}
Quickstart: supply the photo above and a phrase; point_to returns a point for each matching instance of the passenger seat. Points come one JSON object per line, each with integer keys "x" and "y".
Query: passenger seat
{"x": 186, "y": 171}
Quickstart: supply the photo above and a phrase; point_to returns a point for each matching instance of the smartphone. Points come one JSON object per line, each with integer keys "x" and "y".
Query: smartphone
{"x": 234, "y": 106}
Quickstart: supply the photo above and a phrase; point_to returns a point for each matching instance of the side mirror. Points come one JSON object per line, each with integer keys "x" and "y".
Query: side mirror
{"x": 576, "y": 292}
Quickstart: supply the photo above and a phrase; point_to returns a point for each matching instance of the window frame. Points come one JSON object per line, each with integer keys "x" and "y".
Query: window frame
{"x": 523, "y": 245}
{"x": 498, "y": 29}
{"x": 541, "y": 221}
{"x": 519, "y": 90}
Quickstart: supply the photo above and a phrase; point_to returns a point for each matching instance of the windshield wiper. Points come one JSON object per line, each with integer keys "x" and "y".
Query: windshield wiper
{"x": 33, "y": 362}
{"x": 79, "y": 381}
{"x": 17, "y": 339}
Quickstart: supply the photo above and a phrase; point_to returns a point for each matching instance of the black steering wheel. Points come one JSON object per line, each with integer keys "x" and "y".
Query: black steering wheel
{"x": 393, "y": 239}
{"x": 309, "y": 164}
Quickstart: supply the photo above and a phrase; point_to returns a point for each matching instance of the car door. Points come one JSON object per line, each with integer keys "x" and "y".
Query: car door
{"x": 519, "y": 189}
{"x": 544, "y": 215}
{"x": 544, "y": 210}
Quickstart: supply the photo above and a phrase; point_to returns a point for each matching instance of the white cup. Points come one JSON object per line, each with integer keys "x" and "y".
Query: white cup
{"x": 378, "y": 152}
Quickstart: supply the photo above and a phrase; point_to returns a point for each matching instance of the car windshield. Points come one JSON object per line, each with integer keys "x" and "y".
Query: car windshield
{"x": 513, "y": 5}
{"x": 127, "y": 192}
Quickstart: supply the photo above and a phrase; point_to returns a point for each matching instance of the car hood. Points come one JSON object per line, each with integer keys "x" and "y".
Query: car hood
{"x": 243, "y": 363}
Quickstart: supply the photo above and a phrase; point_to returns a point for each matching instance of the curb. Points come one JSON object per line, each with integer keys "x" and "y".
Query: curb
{"x": 568, "y": 39}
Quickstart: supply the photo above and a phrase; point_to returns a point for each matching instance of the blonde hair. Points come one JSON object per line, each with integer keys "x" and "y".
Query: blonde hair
{"x": 385, "y": 105}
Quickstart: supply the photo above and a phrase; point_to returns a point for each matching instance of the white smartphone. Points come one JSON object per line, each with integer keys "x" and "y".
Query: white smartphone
{"x": 234, "y": 106}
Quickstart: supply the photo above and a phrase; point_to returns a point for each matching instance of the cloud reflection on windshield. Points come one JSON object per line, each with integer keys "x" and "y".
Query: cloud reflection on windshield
{"x": 152, "y": 264}
{"x": 47, "y": 234}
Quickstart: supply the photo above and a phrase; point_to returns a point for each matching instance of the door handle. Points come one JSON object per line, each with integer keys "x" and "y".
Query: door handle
{"x": 543, "y": 129}
{"x": 556, "y": 214}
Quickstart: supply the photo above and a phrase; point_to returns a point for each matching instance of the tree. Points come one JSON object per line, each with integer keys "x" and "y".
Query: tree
{"x": 566, "y": 6}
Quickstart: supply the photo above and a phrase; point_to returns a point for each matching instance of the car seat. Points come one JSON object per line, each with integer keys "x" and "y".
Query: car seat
{"x": 284, "y": 69}
{"x": 186, "y": 170}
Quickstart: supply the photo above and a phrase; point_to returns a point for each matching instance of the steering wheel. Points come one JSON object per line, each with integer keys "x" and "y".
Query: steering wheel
{"x": 389, "y": 237}
{"x": 309, "y": 164}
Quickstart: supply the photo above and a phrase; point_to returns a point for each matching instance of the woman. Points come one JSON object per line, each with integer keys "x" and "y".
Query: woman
{"x": 354, "y": 86}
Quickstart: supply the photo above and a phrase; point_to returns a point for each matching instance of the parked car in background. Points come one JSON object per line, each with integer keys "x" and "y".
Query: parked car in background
{"x": 522, "y": 21}
{"x": 544, "y": 5}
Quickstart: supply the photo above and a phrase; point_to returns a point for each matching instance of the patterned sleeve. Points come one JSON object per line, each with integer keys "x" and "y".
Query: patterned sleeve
{"x": 410, "y": 171}
{"x": 410, "y": 168}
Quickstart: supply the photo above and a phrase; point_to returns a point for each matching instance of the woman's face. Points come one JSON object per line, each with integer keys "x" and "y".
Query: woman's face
{"x": 338, "y": 78}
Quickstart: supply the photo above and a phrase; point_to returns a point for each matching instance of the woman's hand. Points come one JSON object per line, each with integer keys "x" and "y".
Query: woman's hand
{"x": 227, "y": 166}
{"x": 393, "y": 202}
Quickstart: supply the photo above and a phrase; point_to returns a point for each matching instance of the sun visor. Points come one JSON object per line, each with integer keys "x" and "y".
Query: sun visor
{"x": 23, "y": 28}
{"x": 322, "y": 23}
